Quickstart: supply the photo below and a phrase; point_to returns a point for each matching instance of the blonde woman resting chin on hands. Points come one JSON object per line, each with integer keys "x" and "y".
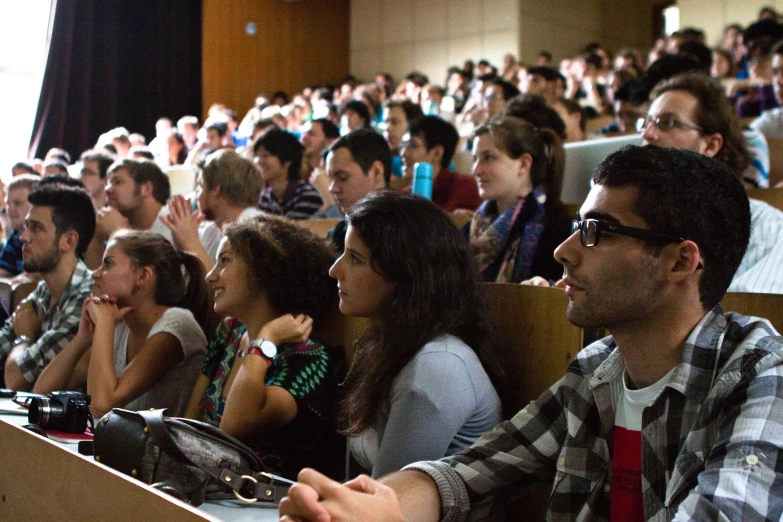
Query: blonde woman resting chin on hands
{"x": 138, "y": 345}
{"x": 265, "y": 381}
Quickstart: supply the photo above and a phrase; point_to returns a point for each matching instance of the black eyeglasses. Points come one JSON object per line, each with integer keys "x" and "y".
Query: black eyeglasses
{"x": 591, "y": 230}
{"x": 665, "y": 123}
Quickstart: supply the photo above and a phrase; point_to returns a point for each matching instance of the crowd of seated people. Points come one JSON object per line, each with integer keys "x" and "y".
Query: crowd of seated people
{"x": 212, "y": 304}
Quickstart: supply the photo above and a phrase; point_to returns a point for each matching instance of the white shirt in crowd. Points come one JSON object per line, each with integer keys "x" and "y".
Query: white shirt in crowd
{"x": 761, "y": 270}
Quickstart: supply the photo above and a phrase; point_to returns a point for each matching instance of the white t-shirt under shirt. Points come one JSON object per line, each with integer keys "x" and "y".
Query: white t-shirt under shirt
{"x": 626, "y": 492}
{"x": 173, "y": 389}
{"x": 158, "y": 227}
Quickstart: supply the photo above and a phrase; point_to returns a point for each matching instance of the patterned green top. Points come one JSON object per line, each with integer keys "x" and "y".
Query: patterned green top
{"x": 304, "y": 370}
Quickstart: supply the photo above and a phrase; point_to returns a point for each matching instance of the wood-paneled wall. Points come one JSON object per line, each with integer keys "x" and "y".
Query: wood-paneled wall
{"x": 296, "y": 43}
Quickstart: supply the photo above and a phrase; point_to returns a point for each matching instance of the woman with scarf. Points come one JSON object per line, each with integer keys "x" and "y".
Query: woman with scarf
{"x": 519, "y": 171}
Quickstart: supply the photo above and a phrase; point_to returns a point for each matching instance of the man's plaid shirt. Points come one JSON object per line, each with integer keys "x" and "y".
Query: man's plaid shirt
{"x": 711, "y": 441}
{"x": 60, "y": 323}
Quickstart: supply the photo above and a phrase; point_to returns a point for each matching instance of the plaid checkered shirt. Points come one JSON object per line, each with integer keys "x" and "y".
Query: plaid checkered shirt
{"x": 711, "y": 449}
{"x": 60, "y": 323}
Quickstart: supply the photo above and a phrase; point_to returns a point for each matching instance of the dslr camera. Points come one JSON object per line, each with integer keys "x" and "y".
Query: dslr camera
{"x": 60, "y": 411}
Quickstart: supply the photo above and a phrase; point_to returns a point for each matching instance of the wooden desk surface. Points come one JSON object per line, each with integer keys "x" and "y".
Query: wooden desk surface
{"x": 44, "y": 480}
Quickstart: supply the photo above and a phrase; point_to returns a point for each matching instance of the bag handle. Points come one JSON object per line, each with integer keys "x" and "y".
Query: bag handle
{"x": 161, "y": 434}
{"x": 222, "y": 435}
{"x": 159, "y": 431}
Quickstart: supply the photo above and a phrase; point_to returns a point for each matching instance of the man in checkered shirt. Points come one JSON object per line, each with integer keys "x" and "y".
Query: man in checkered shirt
{"x": 57, "y": 231}
{"x": 676, "y": 416}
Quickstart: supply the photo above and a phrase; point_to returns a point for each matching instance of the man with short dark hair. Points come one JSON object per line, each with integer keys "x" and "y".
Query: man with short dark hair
{"x": 354, "y": 114}
{"x": 541, "y": 81}
{"x": 574, "y": 117}
{"x": 690, "y": 112}
{"x": 95, "y": 166}
{"x": 279, "y": 155}
{"x": 433, "y": 140}
{"x": 397, "y": 115}
{"x": 136, "y": 195}
{"x": 672, "y": 417}
{"x": 215, "y": 137}
{"x": 495, "y": 97}
{"x": 317, "y": 136}
{"x": 357, "y": 164}
{"x": 57, "y": 230}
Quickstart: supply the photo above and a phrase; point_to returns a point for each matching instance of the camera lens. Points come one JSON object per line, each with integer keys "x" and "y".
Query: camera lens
{"x": 42, "y": 410}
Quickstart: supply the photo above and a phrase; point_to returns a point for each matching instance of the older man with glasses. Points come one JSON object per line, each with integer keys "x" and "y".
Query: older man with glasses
{"x": 674, "y": 416}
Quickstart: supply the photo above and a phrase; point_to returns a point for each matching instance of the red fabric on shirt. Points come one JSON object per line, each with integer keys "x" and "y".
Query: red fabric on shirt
{"x": 626, "y": 492}
{"x": 451, "y": 190}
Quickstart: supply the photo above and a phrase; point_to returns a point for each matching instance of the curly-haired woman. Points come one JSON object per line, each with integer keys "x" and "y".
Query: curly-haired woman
{"x": 264, "y": 380}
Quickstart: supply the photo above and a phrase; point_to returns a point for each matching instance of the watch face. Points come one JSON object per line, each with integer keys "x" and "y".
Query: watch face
{"x": 268, "y": 348}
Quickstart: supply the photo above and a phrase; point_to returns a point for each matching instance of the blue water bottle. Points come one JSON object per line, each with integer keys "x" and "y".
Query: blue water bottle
{"x": 397, "y": 166}
{"x": 422, "y": 180}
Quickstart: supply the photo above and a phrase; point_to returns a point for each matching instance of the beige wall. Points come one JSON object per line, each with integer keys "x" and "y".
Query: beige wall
{"x": 399, "y": 36}
{"x": 713, "y": 15}
{"x": 562, "y": 27}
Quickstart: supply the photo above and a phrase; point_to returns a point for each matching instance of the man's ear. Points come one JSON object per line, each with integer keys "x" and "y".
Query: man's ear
{"x": 146, "y": 189}
{"x": 69, "y": 240}
{"x": 686, "y": 260}
{"x": 712, "y": 144}
{"x": 376, "y": 174}
{"x": 436, "y": 155}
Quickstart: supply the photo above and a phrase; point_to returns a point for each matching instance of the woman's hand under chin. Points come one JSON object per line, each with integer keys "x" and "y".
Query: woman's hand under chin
{"x": 287, "y": 329}
{"x": 104, "y": 310}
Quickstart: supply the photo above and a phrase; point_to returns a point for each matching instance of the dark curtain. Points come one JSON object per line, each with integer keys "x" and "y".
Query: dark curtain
{"x": 117, "y": 63}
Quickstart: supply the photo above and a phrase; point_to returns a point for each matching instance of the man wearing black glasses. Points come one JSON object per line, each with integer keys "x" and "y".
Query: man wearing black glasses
{"x": 675, "y": 416}
{"x": 690, "y": 112}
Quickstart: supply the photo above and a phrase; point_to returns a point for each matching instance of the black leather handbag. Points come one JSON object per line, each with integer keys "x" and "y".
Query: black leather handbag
{"x": 189, "y": 459}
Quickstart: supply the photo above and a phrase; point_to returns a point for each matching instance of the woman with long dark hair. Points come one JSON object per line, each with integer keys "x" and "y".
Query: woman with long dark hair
{"x": 139, "y": 343}
{"x": 176, "y": 149}
{"x": 419, "y": 387}
{"x": 519, "y": 171}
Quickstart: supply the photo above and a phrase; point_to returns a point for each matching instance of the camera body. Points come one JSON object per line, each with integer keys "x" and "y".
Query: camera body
{"x": 60, "y": 411}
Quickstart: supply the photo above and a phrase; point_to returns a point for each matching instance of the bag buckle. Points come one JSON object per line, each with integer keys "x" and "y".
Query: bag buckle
{"x": 240, "y": 497}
